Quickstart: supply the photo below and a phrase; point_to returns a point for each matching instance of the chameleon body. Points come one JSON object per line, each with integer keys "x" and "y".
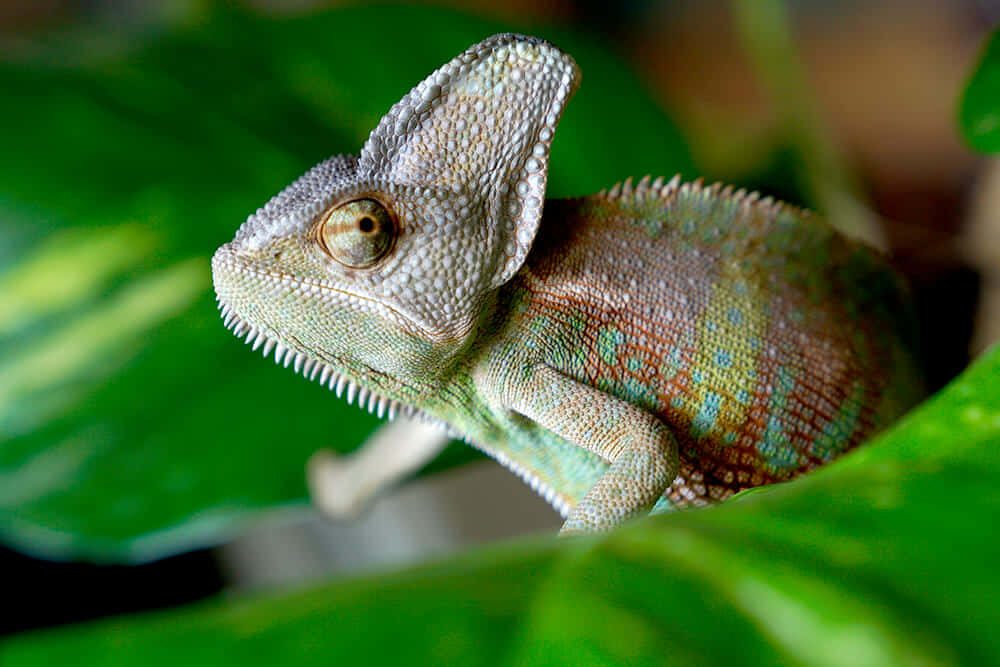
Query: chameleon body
{"x": 652, "y": 346}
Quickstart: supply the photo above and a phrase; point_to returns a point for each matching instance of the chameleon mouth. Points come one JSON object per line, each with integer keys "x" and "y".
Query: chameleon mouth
{"x": 319, "y": 371}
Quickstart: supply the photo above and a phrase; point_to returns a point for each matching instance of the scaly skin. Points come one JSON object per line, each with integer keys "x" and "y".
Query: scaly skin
{"x": 647, "y": 347}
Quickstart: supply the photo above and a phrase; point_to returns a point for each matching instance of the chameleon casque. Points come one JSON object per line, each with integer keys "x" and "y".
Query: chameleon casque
{"x": 652, "y": 346}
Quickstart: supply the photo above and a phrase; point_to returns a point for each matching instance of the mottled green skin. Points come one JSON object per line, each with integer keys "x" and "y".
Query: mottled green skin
{"x": 767, "y": 342}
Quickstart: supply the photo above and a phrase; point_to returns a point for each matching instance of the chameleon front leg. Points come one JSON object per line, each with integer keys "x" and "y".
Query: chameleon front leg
{"x": 342, "y": 486}
{"x": 640, "y": 448}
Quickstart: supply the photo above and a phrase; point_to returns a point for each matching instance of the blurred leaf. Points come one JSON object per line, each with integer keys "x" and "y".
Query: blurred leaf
{"x": 132, "y": 424}
{"x": 979, "y": 109}
{"x": 887, "y": 556}
{"x": 765, "y": 29}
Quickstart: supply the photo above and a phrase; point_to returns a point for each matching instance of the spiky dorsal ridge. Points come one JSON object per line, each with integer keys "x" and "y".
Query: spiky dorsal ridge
{"x": 647, "y": 190}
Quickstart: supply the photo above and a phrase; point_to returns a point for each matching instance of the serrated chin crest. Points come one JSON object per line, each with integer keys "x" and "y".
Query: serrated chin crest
{"x": 325, "y": 374}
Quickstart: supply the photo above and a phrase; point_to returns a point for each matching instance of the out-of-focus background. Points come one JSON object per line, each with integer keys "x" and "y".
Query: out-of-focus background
{"x": 848, "y": 107}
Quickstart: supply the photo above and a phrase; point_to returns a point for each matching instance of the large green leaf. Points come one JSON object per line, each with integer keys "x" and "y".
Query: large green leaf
{"x": 979, "y": 109}
{"x": 131, "y": 423}
{"x": 887, "y": 556}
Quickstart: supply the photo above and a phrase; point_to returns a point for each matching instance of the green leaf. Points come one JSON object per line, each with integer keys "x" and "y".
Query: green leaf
{"x": 132, "y": 425}
{"x": 887, "y": 556}
{"x": 979, "y": 109}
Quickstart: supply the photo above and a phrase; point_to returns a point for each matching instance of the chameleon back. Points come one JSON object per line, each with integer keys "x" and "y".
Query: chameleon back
{"x": 766, "y": 341}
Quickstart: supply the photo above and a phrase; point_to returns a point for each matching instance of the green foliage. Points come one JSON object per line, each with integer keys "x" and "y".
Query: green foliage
{"x": 979, "y": 110}
{"x": 887, "y": 556}
{"x": 132, "y": 424}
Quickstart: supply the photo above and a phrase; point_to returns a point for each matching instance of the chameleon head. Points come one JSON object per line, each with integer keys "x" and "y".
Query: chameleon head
{"x": 379, "y": 265}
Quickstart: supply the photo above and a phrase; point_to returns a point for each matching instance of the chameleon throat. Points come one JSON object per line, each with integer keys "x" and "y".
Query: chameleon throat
{"x": 380, "y": 406}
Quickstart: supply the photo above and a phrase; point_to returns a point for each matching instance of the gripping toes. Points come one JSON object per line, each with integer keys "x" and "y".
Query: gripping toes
{"x": 630, "y": 487}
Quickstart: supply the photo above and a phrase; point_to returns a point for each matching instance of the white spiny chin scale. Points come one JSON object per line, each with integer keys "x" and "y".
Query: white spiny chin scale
{"x": 317, "y": 370}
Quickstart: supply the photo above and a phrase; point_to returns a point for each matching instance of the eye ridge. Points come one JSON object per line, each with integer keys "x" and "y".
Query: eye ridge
{"x": 356, "y": 233}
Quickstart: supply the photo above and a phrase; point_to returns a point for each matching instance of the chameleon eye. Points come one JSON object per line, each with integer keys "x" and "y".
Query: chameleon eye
{"x": 357, "y": 234}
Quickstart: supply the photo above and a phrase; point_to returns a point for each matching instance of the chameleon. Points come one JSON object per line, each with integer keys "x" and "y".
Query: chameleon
{"x": 656, "y": 345}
